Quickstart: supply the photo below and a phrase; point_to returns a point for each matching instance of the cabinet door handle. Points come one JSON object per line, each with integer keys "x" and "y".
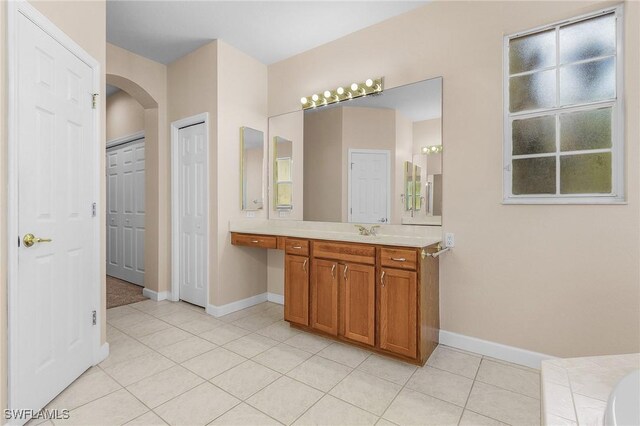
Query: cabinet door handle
{"x": 255, "y": 241}
{"x": 333, "y": 271}
{"x": 399, "y": 259}
{"x": 382, "y": 278}
{"x": 304, "y": 265}
{"x": 297, "y": 247}
{"x": 346, "y": 268}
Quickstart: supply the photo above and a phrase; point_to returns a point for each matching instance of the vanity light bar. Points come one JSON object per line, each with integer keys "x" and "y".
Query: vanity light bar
{"x": 432, "y": 149}
{"x": 355, "y": 90}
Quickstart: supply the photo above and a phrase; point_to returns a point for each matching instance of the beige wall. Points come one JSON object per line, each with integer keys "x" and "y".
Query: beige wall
{"x": 125, "y": 116}
{"x": 146, "y": 81}
{"x": 562, "y": 280}
{"x": 85, "y": 23}
{"x": 242, "y": 101}
{"x": 322, "y": 160}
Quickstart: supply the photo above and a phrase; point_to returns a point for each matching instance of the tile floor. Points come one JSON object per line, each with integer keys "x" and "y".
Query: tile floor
{"x": 172, "y": 363}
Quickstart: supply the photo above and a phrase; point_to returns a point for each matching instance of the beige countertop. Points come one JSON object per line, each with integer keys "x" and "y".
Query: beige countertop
{"x": 575, "y": 390}
{"x": 392, "y": 235}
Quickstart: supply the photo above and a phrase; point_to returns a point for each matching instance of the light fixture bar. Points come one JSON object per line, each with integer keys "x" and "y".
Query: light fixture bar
{"x": 352, "y": 91}
{"x": 432, "y": 149}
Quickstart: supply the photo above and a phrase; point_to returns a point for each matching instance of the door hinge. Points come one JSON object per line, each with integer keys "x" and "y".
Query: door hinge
{"x": 94, "y": 100}
{"x": 94, "y": 210}
{"x": 94, "y": 320}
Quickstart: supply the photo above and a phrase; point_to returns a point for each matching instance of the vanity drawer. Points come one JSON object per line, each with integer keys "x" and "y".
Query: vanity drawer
{"x": 356, "y": 253}
{"x": 295, "y": 246}
{"x": 399, "y": 258}
{"x": 249, "y": 240}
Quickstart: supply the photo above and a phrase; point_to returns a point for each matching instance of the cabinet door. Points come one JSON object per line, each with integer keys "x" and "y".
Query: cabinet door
{"x": 398, "y": 311}
{"x": 358, "y": 305}
{"x": 324, "y": 296}
{"x": 296, "y": 289}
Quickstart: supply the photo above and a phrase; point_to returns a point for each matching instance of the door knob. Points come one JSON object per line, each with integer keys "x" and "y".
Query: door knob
{"x": 30, "y": 239}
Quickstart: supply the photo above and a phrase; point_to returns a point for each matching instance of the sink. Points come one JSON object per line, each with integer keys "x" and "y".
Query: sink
{"x": 623, "y": 407}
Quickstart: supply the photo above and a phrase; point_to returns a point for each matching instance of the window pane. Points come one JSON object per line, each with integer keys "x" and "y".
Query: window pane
{"x": 532, "y": 91}
{"x": 588, "y": 82}
{"x": 534, "y": 176}
{"x": 585, "y": 173}
{"x": 532, "y": 52}
{"x": 585, "y": 130}
{"x": 588, "y": 39}
{"x": 534, "y": 135}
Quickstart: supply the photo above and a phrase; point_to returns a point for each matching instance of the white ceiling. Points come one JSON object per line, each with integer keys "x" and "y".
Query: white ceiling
{"x": 269, "y": 31}
{"x": 416, "y": 101}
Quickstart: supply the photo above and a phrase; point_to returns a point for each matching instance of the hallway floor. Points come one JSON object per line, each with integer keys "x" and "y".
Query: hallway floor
{"x": 172, "y": 363}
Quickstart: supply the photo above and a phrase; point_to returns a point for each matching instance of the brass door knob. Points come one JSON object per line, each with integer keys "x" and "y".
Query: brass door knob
{"x": 30, "y": 239}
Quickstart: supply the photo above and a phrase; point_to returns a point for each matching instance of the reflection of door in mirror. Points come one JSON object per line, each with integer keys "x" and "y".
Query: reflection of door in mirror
{"x": 369, "y": 185}
{"x": 251, "y": 168}
{"x": 417, "y": 188}
{"x": 408, "y": 186}
{"x": 282, "y": 173}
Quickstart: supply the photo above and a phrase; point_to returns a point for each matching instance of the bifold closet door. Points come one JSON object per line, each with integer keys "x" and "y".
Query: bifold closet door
{"x": 125, "y": 212}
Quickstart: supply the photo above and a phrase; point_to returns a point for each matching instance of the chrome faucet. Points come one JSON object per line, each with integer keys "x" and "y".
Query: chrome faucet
{"x": 368, "y": 232}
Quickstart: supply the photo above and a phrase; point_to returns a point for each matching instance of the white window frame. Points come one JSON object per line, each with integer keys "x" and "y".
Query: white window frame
{"x": 617, "y": 195}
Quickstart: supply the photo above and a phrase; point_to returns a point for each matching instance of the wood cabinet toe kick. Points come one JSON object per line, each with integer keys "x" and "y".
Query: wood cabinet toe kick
{"x": 382, "y": 298}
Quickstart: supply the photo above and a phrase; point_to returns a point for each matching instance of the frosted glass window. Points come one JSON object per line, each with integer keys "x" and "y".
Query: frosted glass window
{"x": 532, "y": 91}
{"x": 588, "y": 81}
{"x": 582, "y": 130}
{"x": 585, "y": 173}
{"x": 592, "y": 38}
{"x": 532, "y": 52}
{"x": 564, "y": 132}
{"x": 534, "y": 175}
{"x": 534, "y": 135}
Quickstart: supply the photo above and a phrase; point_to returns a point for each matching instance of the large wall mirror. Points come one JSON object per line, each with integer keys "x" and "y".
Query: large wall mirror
{"x": 376, "y": 159}
{"x": 251, "y": 168}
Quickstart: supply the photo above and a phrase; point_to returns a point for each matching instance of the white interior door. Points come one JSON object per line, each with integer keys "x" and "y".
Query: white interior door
{"x": 125, "y": 211}
{"x": 193, "y": 213}
{"x": 369, "y": 186}
{"x": 52, "y": 299}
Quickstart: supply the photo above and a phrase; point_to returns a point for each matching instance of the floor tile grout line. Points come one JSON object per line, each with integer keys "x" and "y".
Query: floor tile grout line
{"x": 473, "y": 383}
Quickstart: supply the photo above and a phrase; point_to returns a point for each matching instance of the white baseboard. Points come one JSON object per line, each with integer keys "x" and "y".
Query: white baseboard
{"x": 103, "y": 353}
{"x": 218, "y": 311}
{"x": 275, "y": 298}
{"x": 154, "y": 295}
{"x": 493, "y": 349}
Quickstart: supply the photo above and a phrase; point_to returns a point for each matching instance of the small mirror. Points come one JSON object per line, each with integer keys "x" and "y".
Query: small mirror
{"x": 408, "y": 185}
{"x": 282, "y": 173}
{"x": 251, "y": 168}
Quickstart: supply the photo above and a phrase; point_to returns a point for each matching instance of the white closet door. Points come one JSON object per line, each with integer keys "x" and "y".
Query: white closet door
{"x": 193, "y": 213}
{"x": 369, "y": 186}
{"x": 125, "y": 212}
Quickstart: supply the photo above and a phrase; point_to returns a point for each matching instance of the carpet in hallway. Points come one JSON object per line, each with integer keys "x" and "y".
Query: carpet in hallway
{"x": 120, "y": 293}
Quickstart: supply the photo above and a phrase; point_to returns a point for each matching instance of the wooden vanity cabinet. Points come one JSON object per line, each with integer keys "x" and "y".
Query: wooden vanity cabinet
{"x": 296, "y": 289}
{"x": 324, "y": 296}
{"x": 398, "y": 311}
{"x": 358, "y": 303}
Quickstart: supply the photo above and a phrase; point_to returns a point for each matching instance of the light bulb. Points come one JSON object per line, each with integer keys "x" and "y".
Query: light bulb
{"x": 315, "y": 98}
{"x": 425, "y": 149}
{"x": 369, "y": 83}
{"x": 303, "y": 101}
{"x": 354, "y": 87}
{"x": 340, "y": 90}
{"x": 327, "y": 94}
